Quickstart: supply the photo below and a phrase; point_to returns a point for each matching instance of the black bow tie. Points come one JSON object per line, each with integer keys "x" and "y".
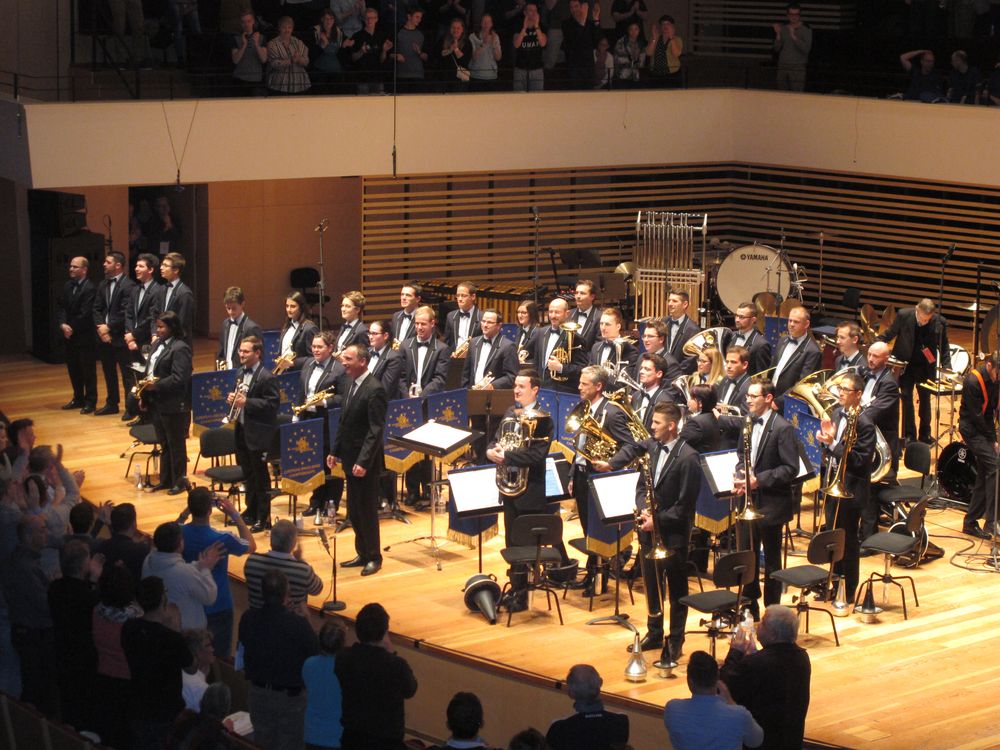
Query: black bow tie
{"x": 408, "y": 316}
{"x": 170, "y": 285}
{"x": 463, "y": 314}
{"x": 423, "y": 343}
{"x": 758, "y": 420}
{"x": 346, "y": 327}
{"x": 248, "y": 371}
{"x": 792, "y": 342}
{"x": 488, "y": 342}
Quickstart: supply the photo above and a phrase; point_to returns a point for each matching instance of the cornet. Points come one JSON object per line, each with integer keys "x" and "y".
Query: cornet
{"x": 486, "y": 382}
{"x": 141, "y": 384}
{"x": 235, "y": 410}
{"x": 283, "y": 362}
{"x": 564, "y": 355}
{"x": 462, "y": 350}
{"x": 221, "y": 364}
{"x": 314, "y": 400}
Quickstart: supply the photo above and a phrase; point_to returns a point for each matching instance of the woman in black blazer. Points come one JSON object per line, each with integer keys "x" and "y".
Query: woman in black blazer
{"x": 298, "y": 332}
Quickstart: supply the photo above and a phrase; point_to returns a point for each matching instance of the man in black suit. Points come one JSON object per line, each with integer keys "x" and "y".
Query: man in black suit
{"x": 773, "y": 683}
{"x": 402, "y": 320}
{"x": 745, "y": 334}
{"x": 774, "y": 465}
{"x": 605, "y": 352}
{"x": 178, "y": 297}
{"x": 594, "y": 382}
{"x": 359, "y": 447}
{"x": 585, "y": 314}
{"x": 353, "y": 330}
{"x": 680, "y": 328}
{"x": 849, "y": 346}
{"x": 880, "y": 400}
{"x": 731, "y": 391}
{"x": 462, "y": 324}
{"x": 384, "y": 362}
{"x": 675, "y": 470}
{"x": 920, "y": 334}
{"x": 529, "y": 457}
{"x": 110, "y": 303}
{"x": 490, "y": 354}
{"x": 845, "y": 513}
{"x": 257, "y": 396}
{"x": 140, "y": 314}
{"x": 169, "y": 401}
{"x": 236, "y": 327}
{"x": 654, "y": 341}
{"x": 320, "y": 373}
{"x": 75, "y": 316}
{"x": 558, "y": 375}
{"x": 977, "y": 425}
{"x": 796, "y": 356}
{"x": 652, "y": 369}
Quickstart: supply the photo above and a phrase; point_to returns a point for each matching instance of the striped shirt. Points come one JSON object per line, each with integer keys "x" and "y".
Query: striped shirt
{"x": 302, "y": 580}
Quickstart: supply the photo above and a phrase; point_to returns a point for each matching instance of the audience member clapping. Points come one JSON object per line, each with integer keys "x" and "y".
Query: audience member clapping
{"x": 126, "y": 544}
{"x": 189, "y": 585}
{"x": 286, "y": 556}
{"x": 323, "y": 701}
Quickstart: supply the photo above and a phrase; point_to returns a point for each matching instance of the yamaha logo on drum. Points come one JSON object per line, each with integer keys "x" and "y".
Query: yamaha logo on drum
{"x": 753, "y": 256}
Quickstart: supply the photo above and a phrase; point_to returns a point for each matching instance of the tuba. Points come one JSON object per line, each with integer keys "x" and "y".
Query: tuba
{"x": 565, "y": 354}
{"x": 514, "y": 433}
{"x": 598, "y": 444}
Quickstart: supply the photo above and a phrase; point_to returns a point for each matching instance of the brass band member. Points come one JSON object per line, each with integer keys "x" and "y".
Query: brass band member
{"x": 384, "y": 362}
{"x": 178, "y": 297}
{"x": 652, "y": 373}
{"x": 490, "y": 354}
{"x": 977, "y": 424}
{"x": 676, "y": 474}
{"x": 680, "y": 328}
{"x": 774, "y": 462}
{"x": 845, "y": 513}
{"x": 256, "y": 422}
{"x": 359, "y": 447}
{"x": 320, "y": 373}
{"x": 527, "y": 332}
{"x": 710, "y": 370}
{"x": 402, "y": 319}
{"x": 169, "y": 400}
{"x": 551, "y": 339}
{"x": 796, "y": 356}
{"x": 594, "y": 381}
{"x": 919, "y": 333}
{"x": 732, "y": 389}
{"x": 880, "y": 400}
{"x": 110, "y": 303}
{"x": 146, "y": 303}
{"x": 701, "y": 426}
{"x": 353, "y": 330}
{"x": 75, "y": 317}
{"x": 236, "y": 327}
{"x": 585, "y": 314}
{"x": 530, "y": 456}
{"x": 298, "y": 332}
{"x": 745, "y": 334}
{"x": 462, "y": 324}
{"x": 849, "y": 345}
{"x": 605, "y": 352}
{"x": 654, "y": 341}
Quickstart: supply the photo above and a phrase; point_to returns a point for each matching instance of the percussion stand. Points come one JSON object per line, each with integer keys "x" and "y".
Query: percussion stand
{"x": 321, "y": 230}
{"x": 940, "y": 348}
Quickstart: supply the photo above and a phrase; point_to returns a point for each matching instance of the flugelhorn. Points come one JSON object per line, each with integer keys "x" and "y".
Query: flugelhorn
{"x": 283, "y": 362}
{"x": 564, "y": 355}
{"x": 314, "y": 400}
{"x": 235, "y": 410}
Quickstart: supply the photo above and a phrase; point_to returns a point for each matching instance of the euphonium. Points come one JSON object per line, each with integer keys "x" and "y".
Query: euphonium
{"x": 514, "y": 433}
{"x": 565, "y": 354}
{"x": 234, "y": 410}
{"x": 634, "y": 424}
{"x": 283, "y": 362}
{"x": 598, "y": 445}
{"x": 314, "y": 400}
{"x": 749, "y": 512}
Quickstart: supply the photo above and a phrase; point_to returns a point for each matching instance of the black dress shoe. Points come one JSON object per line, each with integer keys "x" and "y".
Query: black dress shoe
{"x": 593, "y": 590}
{"x": 88, "y": 409}
{"x": 127, "y": 415}
{"x": 260, "y": 526}
{"x": 71, "y": 405}
{"x": 650, "y": 642}
{"x": 159, "y": 486}
{"x": 105, "y": 410}
{"x": 371, "y": 568}
{"x": 974, "y": 530}
{"x": 181, "y": 486}
{"x": 357, "y": 562}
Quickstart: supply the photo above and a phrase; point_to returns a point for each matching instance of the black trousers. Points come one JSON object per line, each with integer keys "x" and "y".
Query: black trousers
{"x": 81, "y": 364}
{"x": 115, "y": 359}
{"x": 257, "y": 479}
{"x": 848, "y": 519}
{"x": 914, "y": 374}
{"x": 665, "y": 581}
{"x": 36, "y": 651}
{"x": 581, "y": 493}
{"x": 983, "y": 501}
{"x": 171, "y": 433}
{"x": 362, "y": 510}
{"x": 767, "y": 538}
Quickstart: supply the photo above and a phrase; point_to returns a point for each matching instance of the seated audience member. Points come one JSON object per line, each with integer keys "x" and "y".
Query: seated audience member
{"x": 465, "y": 719}
{"x": 591, "y": 727}
{"x": 189, "y": 584}
{"x": 276, "y": 644}
{"x": 249, "y": 54}
{"x": 127, "y": 544}
{"x": 322, "y": 723}
{"x": 72, "y": 599}
{"x": 194, "y": 681}
{"x": 117, "y": 606}
{"x": 964, "y": 81}
{"x": 926, "y": 84}
{"x": 287, "y": 60}
{"x": 156, "y": 654}
{"x": 20, "y": 441}
{"x": 374, "y": 683}
{"x": 204, "y": 728}
{"x": 709, "y": 718}
{"x": 12, "y": 460}
{"x": 285, "y": 555}
{"x": 528, "y": 739}
{"x": 773, "y": 684}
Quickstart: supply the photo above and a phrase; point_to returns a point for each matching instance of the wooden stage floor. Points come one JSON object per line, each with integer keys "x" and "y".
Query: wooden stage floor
{"x": 931, "y": 681}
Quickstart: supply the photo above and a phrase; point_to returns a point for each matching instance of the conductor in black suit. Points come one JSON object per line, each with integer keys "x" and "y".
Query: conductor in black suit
{"x": 169, "y": 400}
{"x": 236, "y": 327}
{"x": 359, "y": 447}
{"x": 796, "y": 356}
{"x": 255, "y": 427}
{"x": 556, "y": 374}
{"x": 745, "y": 334}
{"x": 680, "y": 328}
{"x": 110, "y": 303}
{"x": 919, "y": 332}
{"x": 75, "y": 316}
{"x": 676, "y": 474}
{"x": 178, "y": 297}
{"x": 774, "y": 465}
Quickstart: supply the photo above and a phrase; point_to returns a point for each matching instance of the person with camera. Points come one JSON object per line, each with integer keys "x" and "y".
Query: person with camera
{"x": 248, "y": 56}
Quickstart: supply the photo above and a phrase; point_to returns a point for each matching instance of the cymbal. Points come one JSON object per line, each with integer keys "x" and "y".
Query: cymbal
{"x": 626, "y": 269}
{"x": 971, "y": 307}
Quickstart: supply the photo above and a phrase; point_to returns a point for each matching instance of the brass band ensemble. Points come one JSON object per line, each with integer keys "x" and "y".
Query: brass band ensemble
{"x": 654, "y": 396}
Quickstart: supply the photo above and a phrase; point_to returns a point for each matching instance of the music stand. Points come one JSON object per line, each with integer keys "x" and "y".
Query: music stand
{"x": 475, "y": 494}
{"x": 719, "y": 469}
{"x": 453, "y": 380}
{"x": 487, "y": 403}
{"x": 435, "y": 441}
{"x": 614, "y": 495}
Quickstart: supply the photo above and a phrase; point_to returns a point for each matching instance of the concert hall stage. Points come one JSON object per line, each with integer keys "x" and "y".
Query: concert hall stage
{"x": 930, "y": 681}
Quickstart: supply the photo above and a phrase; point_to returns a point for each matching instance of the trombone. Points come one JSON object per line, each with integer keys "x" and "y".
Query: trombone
{"x": 749, "y": 512}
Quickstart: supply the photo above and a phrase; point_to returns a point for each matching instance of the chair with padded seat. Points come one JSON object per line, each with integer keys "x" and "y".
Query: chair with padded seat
{"x": 826, "y": 548}
{"x": 533, "y": 541}
{"x": 142, "y": 435}
{"x": 899, "y": 541}
{"x": 916, "y": 457}
{"x": 218, "y": 445}
{"x": 733, "y": 570}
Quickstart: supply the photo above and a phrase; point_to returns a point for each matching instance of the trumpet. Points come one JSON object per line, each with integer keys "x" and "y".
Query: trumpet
{"x": 234, "y": 410}
{"x": 749, "y": 512}
{"x": 314, "y": 400}
{"x": 462, "y": 350}
{"x": 283, "y": 362}
{"x": 484, "y": 383}
{"x": 565, "y": 354}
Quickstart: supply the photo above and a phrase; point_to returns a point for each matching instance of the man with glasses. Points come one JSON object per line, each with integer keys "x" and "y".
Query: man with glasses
{"x": 745, "y": 334}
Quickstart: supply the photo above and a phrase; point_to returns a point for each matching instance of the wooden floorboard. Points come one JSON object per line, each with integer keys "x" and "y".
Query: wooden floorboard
{"x": 929, "y": 682}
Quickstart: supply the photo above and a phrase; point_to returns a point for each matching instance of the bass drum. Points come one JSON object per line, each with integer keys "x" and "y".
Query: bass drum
{"x": 956, "y": 471}
{"x": 751, "y": 269}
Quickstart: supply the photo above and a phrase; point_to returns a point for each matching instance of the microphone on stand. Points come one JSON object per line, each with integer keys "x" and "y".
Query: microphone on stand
{"x": 322, "y": 538}
{"x": 322, "y": 226}
{"x": 534, "y": 213}
{"x": 951, "y": 252}
{"x": 334, "y": 605}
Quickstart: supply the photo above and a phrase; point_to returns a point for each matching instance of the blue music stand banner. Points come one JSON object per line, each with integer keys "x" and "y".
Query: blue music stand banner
{"x": 509, "y": 331}
{"x": 333, "y": 429}
{"x": 450, "y": 408}
{"x": 302, "y": 456}
{"x": 272, "y": 341}
{"x": 775, "y": 329}
{"x": 289, "y": 385}
{"x": 711, "y": 513}
{"x": 209, "y": 391}
{"x": 402, "y": 416}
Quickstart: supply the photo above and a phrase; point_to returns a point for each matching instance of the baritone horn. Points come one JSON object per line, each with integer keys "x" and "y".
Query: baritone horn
{"x": 516, "y": 432}
{"x": 598, "y": 444}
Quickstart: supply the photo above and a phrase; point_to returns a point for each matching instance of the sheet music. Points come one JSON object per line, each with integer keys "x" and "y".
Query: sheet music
{"x": 720, "y": 467}
{"x": 616, "y": 493}
{"x": 553, "y": 482}
{"x": 437, "y": 435}
{"x": 475, "y": 489}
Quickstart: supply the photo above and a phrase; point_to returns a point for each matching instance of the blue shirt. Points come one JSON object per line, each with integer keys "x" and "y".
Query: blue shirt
{"x": 707, "y": 721}
{"x": 322, "y": 723}
{"x": 196, "y": 538}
